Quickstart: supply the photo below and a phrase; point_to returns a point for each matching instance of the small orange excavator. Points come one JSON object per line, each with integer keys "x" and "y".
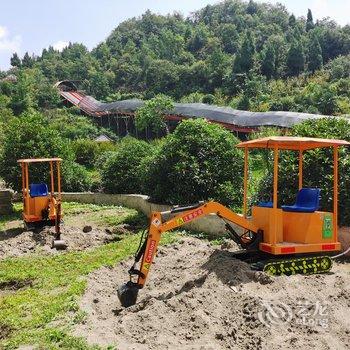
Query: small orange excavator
{"x": 286, "y": 240}
{"x": 40, "y": 206}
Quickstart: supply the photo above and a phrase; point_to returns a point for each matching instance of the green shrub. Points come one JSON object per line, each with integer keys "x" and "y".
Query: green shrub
{"x": 122, "y": 172}
{"x": 194, "y": 97}
{"x": 86, "y": 151}
{"x": 209, "y": 99}
{"x": 72, "y": 126}
{"x": 151, "y": 114}
{"x": 75, "y": 178}
{"x": 199, "y": 161}
{"x": 317, "y": 167}
{"x": 31, "y": 136}
{"x": 102, "y": 159}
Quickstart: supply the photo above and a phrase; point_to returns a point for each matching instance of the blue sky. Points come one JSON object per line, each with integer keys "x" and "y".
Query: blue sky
{"x": 36, "y": 24}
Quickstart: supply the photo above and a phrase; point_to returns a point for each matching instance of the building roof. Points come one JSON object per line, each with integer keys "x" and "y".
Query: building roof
{"x": 292, "y": 143}
{"x": 103, "y": 138}
{"x": 227, "y": 116}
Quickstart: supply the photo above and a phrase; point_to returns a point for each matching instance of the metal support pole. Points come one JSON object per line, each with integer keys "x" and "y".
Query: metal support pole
{"x": 27, "y": 188}
{"x": 245, "y": 186}
{"x": 275, "y": 178}
{"x": 300, "y": 169}
{"x": 59, "y": 180}
{"x": 52, "y": 179}
{"x": 335, "y": 195}
{"x": 275, "y": 197}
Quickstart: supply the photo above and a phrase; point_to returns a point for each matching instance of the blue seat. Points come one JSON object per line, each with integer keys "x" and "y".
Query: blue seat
{"x": 265, "y": 204}
{"x": 308, "y": 201}
{"x": 38, "y": 190}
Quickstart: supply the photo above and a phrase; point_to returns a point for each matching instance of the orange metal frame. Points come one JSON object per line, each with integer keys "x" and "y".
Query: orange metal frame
{"x": 276, "y": 244}
{"x": 32, "y": 207}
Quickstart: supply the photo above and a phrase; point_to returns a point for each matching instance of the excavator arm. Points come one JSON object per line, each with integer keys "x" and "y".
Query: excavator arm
{"x": 161, "y": 222}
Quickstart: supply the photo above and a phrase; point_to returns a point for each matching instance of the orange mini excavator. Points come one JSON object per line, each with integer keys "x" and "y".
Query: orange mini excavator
{"x": 41, "y": 205}
{"x": 296, "y": 238}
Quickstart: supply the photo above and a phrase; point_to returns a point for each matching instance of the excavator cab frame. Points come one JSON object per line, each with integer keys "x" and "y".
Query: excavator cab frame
{"x": 41, "y": 203}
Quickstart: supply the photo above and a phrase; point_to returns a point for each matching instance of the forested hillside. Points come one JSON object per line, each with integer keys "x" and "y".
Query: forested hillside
{"x": 244, "y": 54}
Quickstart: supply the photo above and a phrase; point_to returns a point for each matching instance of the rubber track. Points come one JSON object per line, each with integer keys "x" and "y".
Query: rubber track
{"x": 306, "y": 266}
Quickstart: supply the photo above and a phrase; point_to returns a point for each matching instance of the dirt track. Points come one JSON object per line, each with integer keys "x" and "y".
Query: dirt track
{"x": 199, "y": 297}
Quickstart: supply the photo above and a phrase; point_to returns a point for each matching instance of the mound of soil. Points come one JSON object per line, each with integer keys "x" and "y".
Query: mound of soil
{"x": 199, "y": 297}
{"x": 17, "y": 241}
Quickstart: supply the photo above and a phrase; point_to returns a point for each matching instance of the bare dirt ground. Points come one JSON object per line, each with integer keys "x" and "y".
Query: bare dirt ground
{"x": 199, "y": 297}
{"x": 104, "y": 225}
{"x": 18, "y": 242}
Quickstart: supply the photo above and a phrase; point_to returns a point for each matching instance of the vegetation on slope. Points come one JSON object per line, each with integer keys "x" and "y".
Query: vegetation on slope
{"x": 244, "y": 54}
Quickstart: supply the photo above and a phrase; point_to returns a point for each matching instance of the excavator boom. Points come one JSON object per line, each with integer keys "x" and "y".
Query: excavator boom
{"x": 161, "y": 222}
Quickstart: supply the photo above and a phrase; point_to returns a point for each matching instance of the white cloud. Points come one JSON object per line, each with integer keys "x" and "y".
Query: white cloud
{"x": 7, "y": 43}
{"x": 60, "y": 45}
{"x": 3, "y": 32}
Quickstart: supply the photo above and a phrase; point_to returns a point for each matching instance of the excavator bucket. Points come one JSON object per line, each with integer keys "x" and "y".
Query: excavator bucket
{"x": 127, "y": 293}
{"x": 59, "y": 244}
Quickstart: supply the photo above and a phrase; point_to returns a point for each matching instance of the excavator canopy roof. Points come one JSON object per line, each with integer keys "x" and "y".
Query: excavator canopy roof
{"x": 292, "y": 143}
{"x": 39, "y": 160}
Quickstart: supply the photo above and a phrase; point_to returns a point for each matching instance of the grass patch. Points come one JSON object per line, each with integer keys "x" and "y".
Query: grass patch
{"x": 58, "y": 281}
{"x": 103, "y": 215}
{"x": 74, "y": 208}
{"x": 16, "y": 215}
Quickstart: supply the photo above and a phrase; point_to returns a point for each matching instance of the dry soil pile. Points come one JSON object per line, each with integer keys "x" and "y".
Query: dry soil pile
{"x": 199, "y": 297}
{"x": 17, "y": 241}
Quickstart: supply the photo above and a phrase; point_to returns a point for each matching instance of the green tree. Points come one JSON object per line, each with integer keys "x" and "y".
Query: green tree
{"x": 199, "y": 38}
{"x": 99, "y": 85}
{"x": 15, "y": 60}
{"x": 268, "y": 62}
{"x": 252, "y": 7}
{"x": 162, "y": 77}
{"x": 326, "y": 100}
{"x": 33, "y": 90}
{"x": 28, "y": 136}
{"x": 292, "y": 20}
{"x": 309, "y": 21}
{"x": 244, "y": 61}
{"x": 23, "y": 97}
{"x": 31, "y": 136}
{"x": 151, "y": 114}
{"x": 295, "y": 59}
{"x": 315, "y": 60}
{"x": 244, "y": 103}
{"x": 229, "y": 36}
{"x": 27, "y": 61}
{"x": 218, "y": 65}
